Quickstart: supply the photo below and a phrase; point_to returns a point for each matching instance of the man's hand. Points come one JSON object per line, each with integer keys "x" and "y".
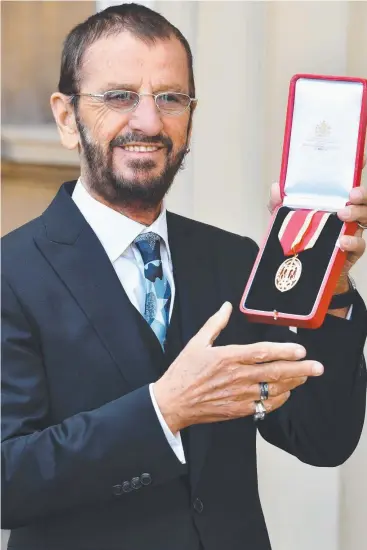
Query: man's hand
{"x": 355, "y": 212}
{"x": 210, "y": 384}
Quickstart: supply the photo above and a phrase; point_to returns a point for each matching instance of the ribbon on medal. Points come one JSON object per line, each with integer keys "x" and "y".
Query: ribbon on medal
{"x": 299, "y": 231}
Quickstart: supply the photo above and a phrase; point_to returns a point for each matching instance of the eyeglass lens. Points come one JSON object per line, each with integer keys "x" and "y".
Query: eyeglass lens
{"x": 123, "y": 100}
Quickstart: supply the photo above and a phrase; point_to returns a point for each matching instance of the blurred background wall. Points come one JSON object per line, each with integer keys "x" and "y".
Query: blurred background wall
{"x": 247, "y": 51}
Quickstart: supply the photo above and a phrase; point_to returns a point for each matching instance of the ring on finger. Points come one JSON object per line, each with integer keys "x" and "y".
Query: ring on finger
{"x": 264, "y": 391}
{"x": 260, "y": 411}
{"x": 362, "y": 226}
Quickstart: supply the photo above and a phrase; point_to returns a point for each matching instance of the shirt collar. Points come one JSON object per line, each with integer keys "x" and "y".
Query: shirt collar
{"x": 115, "y": 231}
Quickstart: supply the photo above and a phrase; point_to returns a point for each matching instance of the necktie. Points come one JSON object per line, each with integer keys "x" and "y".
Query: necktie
{"x": 157, "y": 288}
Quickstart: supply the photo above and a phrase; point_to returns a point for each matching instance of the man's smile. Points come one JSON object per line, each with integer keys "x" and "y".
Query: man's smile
{"x": 139, "y": 150}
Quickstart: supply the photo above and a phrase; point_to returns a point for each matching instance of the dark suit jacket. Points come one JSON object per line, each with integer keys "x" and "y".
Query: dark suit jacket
{"x": 78, "y": 422}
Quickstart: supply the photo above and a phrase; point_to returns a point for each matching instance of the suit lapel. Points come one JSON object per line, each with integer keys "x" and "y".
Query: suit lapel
{"x": 194, "y": 273}
{"x": 78, "y": 258}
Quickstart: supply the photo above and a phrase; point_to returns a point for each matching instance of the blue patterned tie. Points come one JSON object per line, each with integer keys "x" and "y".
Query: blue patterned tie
{"x": 158, "y": 290}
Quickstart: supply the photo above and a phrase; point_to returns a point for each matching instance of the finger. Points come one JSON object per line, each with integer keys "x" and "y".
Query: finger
{"x": 275, "y": 389}
{"x": 214, "y": 326}
{"x": 282, "y": 370}
{"x": 345, "y": 241}
{"x": 262, "y": 352}
{"x": 275, "y": 197}
{"x": 356, "y": 245}
{"x": 358, "y": 195}
{"x": 354, "y": 213}
{"x": 274, "y": 403}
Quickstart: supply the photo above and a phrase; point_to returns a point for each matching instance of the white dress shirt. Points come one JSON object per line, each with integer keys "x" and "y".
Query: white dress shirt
{"x": 116, "y": 233}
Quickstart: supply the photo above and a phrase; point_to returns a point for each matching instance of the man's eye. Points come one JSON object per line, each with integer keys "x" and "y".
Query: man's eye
{"x": 121, "y": 98}
{"x": 170, "y": 98}
{"x": 173, "y": 102}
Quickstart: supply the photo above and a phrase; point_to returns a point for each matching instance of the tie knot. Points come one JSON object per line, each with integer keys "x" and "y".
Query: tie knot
{"x": 148, "y": 245}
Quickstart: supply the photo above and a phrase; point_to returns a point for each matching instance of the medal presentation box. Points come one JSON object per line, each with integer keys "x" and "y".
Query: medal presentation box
{"x": 299, "y": 263}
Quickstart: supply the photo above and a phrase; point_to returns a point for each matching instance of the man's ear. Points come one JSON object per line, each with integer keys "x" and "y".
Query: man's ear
{"x": 64, "y": 115}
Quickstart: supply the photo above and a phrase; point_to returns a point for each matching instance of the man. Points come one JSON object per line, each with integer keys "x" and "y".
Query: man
{"x": 129, "y": 383}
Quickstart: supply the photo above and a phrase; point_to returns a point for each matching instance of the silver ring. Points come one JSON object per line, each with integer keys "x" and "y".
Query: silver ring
{"x": 260, "y": 411}
{"x": 264, "y": 391}
{"x": 362, "y": 226}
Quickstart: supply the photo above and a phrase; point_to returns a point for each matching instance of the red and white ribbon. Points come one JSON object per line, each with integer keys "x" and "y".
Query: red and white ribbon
{"x": 301, "y": 229}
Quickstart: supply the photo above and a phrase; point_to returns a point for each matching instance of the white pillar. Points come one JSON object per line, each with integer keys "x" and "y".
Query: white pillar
{"x": 229, "y": 188}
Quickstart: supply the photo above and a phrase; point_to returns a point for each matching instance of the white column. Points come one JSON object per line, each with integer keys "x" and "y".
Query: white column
{"x": 229, "y": 188}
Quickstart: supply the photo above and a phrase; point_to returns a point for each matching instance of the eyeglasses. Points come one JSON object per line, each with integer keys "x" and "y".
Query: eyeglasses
{"x": 168, "y": 103}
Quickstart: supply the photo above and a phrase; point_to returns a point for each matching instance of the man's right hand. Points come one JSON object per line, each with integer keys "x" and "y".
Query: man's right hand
{"x": 210, "y": 384}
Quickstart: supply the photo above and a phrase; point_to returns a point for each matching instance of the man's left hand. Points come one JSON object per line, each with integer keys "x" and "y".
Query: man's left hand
{"x": 354, "y": 245}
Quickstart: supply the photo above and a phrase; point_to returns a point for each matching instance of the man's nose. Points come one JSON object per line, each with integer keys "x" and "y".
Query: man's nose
{"x": 146, "y": 117}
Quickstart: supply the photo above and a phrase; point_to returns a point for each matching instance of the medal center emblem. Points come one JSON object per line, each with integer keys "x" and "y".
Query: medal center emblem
{"x": 288, "y": 274}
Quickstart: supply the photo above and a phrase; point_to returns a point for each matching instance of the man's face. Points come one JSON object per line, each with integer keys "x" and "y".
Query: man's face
{"x": 132, "y": 157}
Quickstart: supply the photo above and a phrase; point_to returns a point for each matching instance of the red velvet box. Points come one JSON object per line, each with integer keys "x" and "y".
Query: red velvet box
{"x": 322, "y": 160}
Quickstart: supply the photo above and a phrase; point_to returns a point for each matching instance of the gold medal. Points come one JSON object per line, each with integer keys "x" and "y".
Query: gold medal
{"x": 288, "y": 274}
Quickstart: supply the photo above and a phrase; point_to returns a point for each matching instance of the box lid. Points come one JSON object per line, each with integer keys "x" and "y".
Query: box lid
{"x": 324, "y": 141}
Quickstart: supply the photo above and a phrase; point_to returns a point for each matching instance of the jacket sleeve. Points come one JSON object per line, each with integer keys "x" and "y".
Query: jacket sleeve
{"x": 322, "y": 421}
{"x": 83, "y": 460}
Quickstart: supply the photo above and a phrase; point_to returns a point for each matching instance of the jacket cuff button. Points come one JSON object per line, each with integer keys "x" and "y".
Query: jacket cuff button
{"x": 198, "y": 505}
{"x": 117, "y": 490}
{"x": 136, "y": 483}
{"x": 146, "y": 479}
{"x": 126, "y": 487}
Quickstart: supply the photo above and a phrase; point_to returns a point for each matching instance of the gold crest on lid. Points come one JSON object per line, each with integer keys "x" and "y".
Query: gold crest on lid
{"x": 323, "y": 129}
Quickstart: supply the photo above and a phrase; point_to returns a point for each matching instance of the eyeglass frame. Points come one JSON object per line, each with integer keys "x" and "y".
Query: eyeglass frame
{"x": 102, "y": 95}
